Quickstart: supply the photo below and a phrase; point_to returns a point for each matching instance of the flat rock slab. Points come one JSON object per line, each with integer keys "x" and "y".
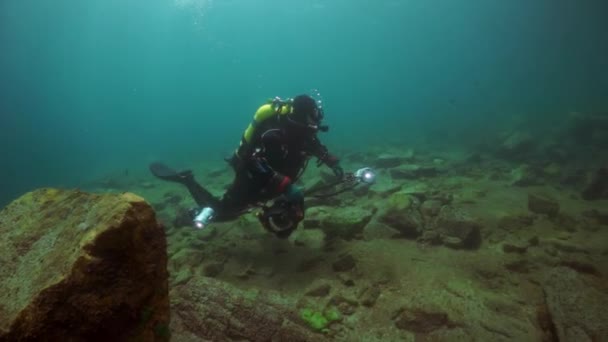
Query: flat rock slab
{"x": 205, "y": 309}
{"x": 344, "y": 223}
{"x": 577, "y": 309}
{"x": 82, "y": 267}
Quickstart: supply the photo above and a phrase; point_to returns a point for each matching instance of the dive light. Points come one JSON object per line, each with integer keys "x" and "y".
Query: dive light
{"x": 202, "y": 219}
{"x": 365, "y": 175}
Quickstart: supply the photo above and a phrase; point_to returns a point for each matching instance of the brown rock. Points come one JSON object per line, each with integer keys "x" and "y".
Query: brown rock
{"x": 457, "y": 228}
{"x": 543, "y": 204}
{"x": 319, "y": 291}
{"x": 601, "y": 217}
{"x": 515, "y": 246}
{"x": 345, "y": 305}
{"x": 422, "y": 321}
{"x": 369, "y": 296}
{"x": 401, "y": 215}
{"x": 345, "y": 263}
{"x": 597, "y": 188}
{"x": 430, "y": 208}
{"x": 82, "y": 267}
{"x": 213, "y": 269}
{"x": 514, "y": 223}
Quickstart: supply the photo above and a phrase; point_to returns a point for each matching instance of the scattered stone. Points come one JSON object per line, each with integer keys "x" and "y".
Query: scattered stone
{"x": 452, "y": 242}
{"x": 457, "y": 228}
{"x": 310, "y": 264}
{"x": 580, "y": 267}
{"x": 515, "y": 222}
{"x": 577, "y": 310}
{"x": 597, "y": 188}
{"x": 345, "y": 263}
{"x": 524, "y": 176}
{"x": 319, "y": 291}
{"x": 345, "y": 223}
{"x": 601, "y": 217}
{"x": 515, "y": 247}
{"x": 108, "y": 282}
{"x": 346, "y": 279}
{"x": 369, "y": 296}
{"x": 542, "y": 204}
{"x": 182, "y": 276}
{"x": 213, "y": 269}
{"x": 430, "y": 208}
{"x": 567, "y": 247}
{"x": 388, "y": 161}
{"x": 534, "y": 241}
{"x": 345, "y": 305}
{"x": 413, "y": 171}
{"x": 421, "y": 321}
{"x": 431, "y": 237}
{"x": 516, "y": 145}
{"x": 445, "y": 198}
{"x": 519, "y": 266}
{"x": 399, "y": 215}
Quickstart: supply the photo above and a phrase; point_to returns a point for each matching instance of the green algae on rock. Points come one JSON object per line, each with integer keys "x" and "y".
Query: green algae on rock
{"x": 82, "y": 267}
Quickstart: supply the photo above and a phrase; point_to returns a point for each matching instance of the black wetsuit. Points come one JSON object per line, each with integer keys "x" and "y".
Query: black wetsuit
{"x": 273, "y": 160}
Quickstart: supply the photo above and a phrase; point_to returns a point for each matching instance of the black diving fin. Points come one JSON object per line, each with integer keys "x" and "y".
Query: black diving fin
{"x": 201, "y": 196}
{"x": 164, "y": 172}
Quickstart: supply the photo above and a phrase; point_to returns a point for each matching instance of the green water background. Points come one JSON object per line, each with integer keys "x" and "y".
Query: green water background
{"x": 91, "y": 87}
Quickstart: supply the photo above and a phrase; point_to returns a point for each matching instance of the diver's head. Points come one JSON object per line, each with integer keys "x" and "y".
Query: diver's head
{"x": 306, "y": 112}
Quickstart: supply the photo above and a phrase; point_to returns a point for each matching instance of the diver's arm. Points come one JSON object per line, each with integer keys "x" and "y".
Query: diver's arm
{"x": 320, "y": 151}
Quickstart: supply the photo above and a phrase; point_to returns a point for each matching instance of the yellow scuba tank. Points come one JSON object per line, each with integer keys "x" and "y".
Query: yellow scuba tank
{"x": 271, "y": 109}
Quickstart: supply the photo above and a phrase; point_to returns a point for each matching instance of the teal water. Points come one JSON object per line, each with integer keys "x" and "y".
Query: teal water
{"x": 91, "y": 87}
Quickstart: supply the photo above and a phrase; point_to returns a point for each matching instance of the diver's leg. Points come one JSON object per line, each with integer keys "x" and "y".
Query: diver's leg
{"x": 201, "y": 196}
{"x": 236, "y": 199}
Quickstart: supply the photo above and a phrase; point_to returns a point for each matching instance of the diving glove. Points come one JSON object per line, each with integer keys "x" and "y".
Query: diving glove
{"x": 334, "y": 164}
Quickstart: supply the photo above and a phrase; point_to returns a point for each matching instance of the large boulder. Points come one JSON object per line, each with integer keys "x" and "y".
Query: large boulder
{"x": 205, "y": 309}
{"x": 82, "y": 267}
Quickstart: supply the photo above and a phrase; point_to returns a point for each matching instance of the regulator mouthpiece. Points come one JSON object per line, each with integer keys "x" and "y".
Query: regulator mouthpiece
{"x": 202, "y": 219}
{"x": 366, "y": 175}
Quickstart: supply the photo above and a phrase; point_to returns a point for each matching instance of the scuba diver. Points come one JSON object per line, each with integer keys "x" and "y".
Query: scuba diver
{"x": 273, "y": 153}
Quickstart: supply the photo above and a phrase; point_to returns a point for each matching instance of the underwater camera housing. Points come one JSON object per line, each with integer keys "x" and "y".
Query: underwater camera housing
{"x": 281, "y": 218}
